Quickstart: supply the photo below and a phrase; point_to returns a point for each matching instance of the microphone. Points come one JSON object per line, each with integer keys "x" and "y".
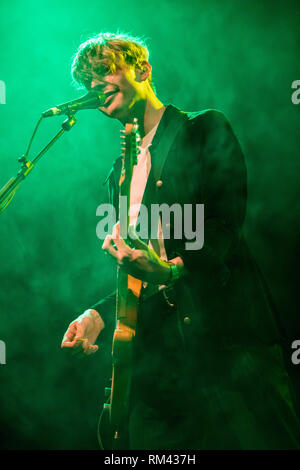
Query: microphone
{"x": 91, "y": 100}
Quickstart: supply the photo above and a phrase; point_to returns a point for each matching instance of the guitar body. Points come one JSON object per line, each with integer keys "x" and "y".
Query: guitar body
{"x": 115, "y": 413}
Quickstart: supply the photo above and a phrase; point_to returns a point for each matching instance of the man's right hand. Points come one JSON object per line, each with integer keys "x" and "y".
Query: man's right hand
{"x": 83, "y": 332}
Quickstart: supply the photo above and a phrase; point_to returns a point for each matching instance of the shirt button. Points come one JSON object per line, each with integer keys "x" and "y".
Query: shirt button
{"x": 187, "y": 320}
{"x": 159, "y": 183}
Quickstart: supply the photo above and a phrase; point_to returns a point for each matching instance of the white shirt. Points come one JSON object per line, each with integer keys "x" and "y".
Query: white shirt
{"x": 138, "y": 184}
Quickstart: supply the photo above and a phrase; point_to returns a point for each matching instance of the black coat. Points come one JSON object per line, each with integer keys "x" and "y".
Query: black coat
{"x": 221, "y": 351}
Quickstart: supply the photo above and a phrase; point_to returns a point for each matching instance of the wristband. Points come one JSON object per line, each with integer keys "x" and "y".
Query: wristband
{"x": 174, "y": 272}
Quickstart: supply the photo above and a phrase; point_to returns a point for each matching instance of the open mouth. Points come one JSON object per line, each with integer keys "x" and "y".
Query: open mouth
{"x": 110, "y": 96}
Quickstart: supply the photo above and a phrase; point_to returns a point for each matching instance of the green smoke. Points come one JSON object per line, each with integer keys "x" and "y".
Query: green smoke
{"x": 238, "y": 57}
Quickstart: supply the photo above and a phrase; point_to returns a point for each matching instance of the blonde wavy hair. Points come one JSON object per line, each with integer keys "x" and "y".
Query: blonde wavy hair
{"x": 107, "y": 53}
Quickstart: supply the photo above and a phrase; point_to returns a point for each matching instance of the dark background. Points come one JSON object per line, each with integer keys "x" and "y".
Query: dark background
{"x": 237, "y": 56}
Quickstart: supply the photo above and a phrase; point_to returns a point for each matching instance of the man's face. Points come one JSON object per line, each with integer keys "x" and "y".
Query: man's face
{"x": 122, "y": 89}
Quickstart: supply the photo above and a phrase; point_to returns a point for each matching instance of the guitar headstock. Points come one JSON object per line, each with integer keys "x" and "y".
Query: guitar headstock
{"x": 130, "y": 141}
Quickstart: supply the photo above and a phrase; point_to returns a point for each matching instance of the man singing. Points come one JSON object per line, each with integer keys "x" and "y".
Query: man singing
{"x": 208, "y": 371}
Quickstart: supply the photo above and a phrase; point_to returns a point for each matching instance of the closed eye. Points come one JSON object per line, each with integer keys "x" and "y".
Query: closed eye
{"x": 99, "y": 87}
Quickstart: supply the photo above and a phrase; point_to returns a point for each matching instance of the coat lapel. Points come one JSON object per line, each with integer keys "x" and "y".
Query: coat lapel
{"x": 168, "y": 127}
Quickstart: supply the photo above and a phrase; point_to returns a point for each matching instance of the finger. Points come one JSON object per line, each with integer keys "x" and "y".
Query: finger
{"x": 87, "y": 346}
{"x": 107, "y": 245}
{"x": 74, "y": 331}
{"x": 68, "y": 340}
{"x": 120, "y": 244}
{"x": 75, "y": 343}
{"x": 68, "y": 344}
{"x": 108, "y": 248}
{"x": 91, "y": 349}
{"x": 116, "y": 230}
{"x": 108, "y": 241}
{"x": 117, "y": 239}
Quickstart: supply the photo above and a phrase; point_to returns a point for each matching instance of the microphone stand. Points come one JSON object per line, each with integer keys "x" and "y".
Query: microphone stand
{"x": 9, "y": 189}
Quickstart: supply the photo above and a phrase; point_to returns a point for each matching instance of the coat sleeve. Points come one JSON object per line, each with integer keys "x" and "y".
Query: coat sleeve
{"x": 216, "y": 177}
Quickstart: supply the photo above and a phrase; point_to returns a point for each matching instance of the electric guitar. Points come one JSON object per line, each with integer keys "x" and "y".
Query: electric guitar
{"x": 115, "y": 411}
